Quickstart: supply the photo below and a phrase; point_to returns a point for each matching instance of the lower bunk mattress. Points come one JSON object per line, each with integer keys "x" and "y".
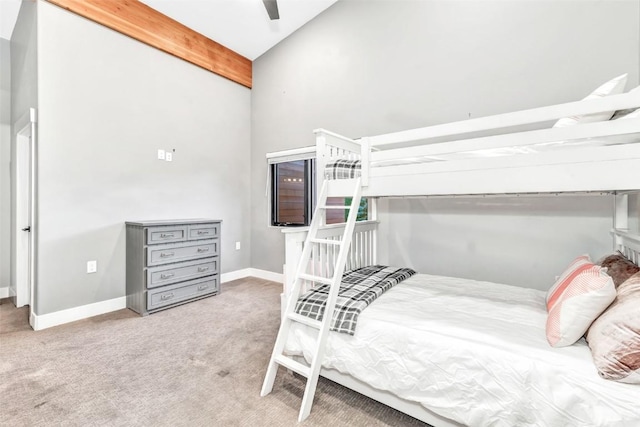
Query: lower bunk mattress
{"x": 475, "y": 353}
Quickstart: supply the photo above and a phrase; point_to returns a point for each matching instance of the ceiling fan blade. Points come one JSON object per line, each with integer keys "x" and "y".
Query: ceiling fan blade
{"x": 272, "y": 8}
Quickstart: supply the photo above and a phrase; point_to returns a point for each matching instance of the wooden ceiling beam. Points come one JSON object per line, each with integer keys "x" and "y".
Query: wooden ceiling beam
{"x": 137, "y": 20}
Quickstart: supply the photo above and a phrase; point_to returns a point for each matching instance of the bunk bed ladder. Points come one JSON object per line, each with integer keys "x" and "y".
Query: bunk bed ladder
{"x": 312, "y": 372}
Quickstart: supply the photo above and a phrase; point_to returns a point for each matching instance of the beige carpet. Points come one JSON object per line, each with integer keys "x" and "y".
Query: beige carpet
{"x": 199, "y": 364}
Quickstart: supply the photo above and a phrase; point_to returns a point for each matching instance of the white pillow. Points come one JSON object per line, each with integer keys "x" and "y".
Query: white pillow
{"x": 612, "y": 87}
{"x": 634, "y": 114}
{"x": 628, "y": 113}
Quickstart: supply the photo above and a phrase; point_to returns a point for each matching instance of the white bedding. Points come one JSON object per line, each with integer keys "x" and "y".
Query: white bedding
{"x": 515, "y": 150}
{"x": 476, "y": 353}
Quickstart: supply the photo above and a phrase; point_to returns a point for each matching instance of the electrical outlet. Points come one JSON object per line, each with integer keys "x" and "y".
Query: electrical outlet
{"x": 168, "y": 157}
{"x": 237, "y": 246}
{"x": 161, "y": 154}
{"x": 92, "y": 266}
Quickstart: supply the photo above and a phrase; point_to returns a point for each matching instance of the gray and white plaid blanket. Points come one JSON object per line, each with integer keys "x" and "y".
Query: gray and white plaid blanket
{"x": 342, "y": 169}
{"x": 359, "y": 288}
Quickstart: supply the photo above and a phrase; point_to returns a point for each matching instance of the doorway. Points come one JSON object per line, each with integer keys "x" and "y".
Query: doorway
{"x": 22, "y": 285}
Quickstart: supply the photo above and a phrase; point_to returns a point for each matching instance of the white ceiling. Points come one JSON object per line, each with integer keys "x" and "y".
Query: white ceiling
{"x": 240, "y": 25}
{"x": 8, "y": 15}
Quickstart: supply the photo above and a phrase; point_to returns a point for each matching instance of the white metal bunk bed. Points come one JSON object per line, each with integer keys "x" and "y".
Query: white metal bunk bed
{"x": 483, "y": 156}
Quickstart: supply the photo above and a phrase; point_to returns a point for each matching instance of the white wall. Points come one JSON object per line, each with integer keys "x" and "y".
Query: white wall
{"x": 5, "y": 164}
{"x": 364, "y": 68}
{"x": 24, "y": 84}
{"x": 524, "y": 241}
{"x": 106, "y": 104}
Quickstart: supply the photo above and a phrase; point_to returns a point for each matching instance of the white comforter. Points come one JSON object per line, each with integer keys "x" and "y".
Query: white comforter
{"x": 476, "y": 353}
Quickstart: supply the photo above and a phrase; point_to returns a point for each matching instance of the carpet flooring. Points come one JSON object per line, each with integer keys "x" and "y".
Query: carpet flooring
{"x": 199, "y": 364}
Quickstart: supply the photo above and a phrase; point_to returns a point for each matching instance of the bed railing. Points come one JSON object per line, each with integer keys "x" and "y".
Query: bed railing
{"x": 624, "y": 239}
{"x": 331, "y": 147}
{"x": 361, "y": 253}
{"x": 514, "y": 119}
{"x": 424, "y": 142}
{"x": 628, "y": 244}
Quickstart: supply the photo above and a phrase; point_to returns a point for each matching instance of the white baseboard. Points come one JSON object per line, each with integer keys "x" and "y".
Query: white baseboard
{"x": 235, "y": 275}
{"x": 251, "y": 272}
{"x": 4, "y": 292}
{"x": 43, "y": 321}
{"x": 267, "y": 275}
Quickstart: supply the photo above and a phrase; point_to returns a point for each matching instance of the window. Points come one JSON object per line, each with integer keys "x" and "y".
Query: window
{"x": 293, "y": 194}
{"x": 336, "y": 216}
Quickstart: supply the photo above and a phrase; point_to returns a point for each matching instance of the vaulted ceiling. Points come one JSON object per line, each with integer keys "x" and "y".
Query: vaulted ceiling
{"x": 240, "y": 25}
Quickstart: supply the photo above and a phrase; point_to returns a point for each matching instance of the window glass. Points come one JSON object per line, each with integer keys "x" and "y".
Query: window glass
{"x": 290, "y": 195}
{"x": 335, "y": 216}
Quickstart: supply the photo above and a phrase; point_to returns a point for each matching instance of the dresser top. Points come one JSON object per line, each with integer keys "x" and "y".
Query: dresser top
{"x": 157, "y": 222}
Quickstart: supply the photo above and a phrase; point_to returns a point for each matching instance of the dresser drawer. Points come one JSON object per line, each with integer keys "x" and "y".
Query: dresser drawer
{"x": 165, "y": 254}
{"x": 168, "y": 295}
{"x": 160, "y": 276}
{"x": 166, "y": 234}
{"x": 203, "y": 231}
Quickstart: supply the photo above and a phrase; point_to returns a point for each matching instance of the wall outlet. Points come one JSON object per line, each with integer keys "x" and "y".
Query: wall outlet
{"x": 92, "y": 266}
{"x": 161, "y": 154}
{"x": 237, "y": 246}
{"x": 168, "y": 157}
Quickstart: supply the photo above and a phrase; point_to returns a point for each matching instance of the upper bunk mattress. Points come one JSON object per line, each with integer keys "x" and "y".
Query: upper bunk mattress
{"x": 351, "y": 168}
{"x": 476, "y": 353}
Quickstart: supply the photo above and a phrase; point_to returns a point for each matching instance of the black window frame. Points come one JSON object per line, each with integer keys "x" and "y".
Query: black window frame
{"x": 309, "y": 193}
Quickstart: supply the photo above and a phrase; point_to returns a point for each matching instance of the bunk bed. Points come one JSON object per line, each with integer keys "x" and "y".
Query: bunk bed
{"x": 448, "y": 351}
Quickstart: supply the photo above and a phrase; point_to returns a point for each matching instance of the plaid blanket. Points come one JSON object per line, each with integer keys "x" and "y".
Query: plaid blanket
{"x": 359, "y": 288}
{"x": 342, "y": 169}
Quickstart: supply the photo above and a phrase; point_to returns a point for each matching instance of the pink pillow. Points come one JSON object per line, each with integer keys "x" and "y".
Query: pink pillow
{"x": 577, "y": 298}
{"x": 614, "y": 338}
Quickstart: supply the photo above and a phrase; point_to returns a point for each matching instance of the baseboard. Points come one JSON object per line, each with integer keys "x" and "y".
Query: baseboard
{"x": 4, "y": 292}
{"x": 43, "y": 321}
{"x": 267, "y": 275}
{"x": 251, "y": 272}
{"x": 235, "y": 275}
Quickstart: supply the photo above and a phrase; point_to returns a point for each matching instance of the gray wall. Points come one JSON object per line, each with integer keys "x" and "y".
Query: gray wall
{"x": 364, "y": 68}
{"x": 24, "y": 81}
{"x": 107, "y": 103}
{"x": 5, "y": 164}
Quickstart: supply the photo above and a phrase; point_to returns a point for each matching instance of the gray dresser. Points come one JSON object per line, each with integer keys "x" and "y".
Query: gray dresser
{"x": 171, "y": 262}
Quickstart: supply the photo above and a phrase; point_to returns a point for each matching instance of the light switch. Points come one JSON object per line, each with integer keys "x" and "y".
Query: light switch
{"x": 92, "y": 266}
{"x": 168, "y": 157}
{"x": 160, "y": 154}
{"x": 237, "y": 246}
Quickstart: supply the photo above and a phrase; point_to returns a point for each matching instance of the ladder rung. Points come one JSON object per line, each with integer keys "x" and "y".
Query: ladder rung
{"x": 289, "y": 363}
{"x": 305, "y": 320}
{"x": 326, "y": 241}
{"x": 335, "y": 207}
{"x": 325, "y": 280}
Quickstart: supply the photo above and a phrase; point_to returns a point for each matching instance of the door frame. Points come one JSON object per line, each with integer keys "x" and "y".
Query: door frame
{"x": 25, "y": 132}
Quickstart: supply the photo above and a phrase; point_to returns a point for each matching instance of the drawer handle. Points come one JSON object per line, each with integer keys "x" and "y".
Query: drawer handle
{"x": 166, "y": 296}
{"x": 166, "y": 254}
{"x": 166, "y": 276}
{"x": 203, "y": 287}
{"x": 167, "y": 235}
{"x": 201, "y": 269}
{"x": 200, "y": 250}
{"x": 201, "y": 232}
